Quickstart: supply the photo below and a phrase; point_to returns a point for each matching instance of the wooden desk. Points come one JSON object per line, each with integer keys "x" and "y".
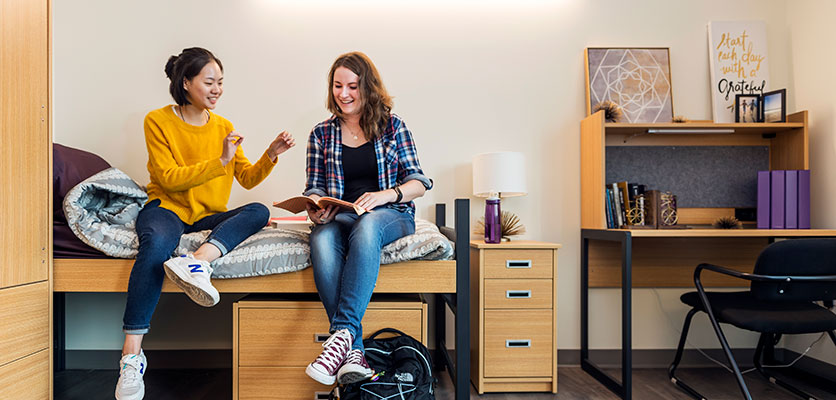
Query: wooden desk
{"x": 665, "y": 258}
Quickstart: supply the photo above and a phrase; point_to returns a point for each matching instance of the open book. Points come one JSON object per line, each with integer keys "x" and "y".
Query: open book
{"x": 297, "y": 204}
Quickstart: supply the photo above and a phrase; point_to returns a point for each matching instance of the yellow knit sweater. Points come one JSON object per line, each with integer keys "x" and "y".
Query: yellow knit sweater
{"x": 186, "y": 171}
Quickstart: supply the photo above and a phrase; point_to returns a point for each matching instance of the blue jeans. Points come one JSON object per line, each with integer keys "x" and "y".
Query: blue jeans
{"x": 345, "y": 255}
{"x": 159, "y": 232}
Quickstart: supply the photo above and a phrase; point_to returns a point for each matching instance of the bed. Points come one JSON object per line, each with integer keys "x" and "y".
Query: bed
{"x": 90, "y": 271}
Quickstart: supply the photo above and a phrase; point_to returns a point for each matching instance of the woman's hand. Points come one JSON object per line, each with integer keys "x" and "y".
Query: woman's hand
{"x": 283, "y": 142}
{"x": 370, "y": 200}
{"x": 230, "y": 145}
{"x": 320, "y": 215}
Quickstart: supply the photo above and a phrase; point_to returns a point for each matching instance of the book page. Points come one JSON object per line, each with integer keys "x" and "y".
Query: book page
{"x": 331, "y": 201}
{"x": 295, "y": 204}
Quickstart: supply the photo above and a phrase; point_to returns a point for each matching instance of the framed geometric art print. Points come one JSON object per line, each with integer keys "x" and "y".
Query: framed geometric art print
{"x": 637, "y": 80}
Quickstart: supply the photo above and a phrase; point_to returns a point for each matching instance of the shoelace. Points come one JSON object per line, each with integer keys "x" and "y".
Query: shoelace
{"x": 355, "y": 357}
{"x": 330, "y": 356}
{"x": 130, "y": 371}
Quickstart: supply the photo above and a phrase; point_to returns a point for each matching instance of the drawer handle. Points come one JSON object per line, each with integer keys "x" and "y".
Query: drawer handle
{"x": 517, "y": 263}
{"x": 518, "y": 343}
{"x": 321, "y": 395}
{"x": 517, "y": 294}
{"x": 321, "y": 337}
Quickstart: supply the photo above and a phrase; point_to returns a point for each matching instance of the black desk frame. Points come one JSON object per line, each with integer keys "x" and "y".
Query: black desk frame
{"x": 625, "y": 388}
{"x": 625, "y": 238}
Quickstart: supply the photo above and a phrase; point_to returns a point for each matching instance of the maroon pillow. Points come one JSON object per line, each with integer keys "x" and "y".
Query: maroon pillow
{"x": 69, "y": 167}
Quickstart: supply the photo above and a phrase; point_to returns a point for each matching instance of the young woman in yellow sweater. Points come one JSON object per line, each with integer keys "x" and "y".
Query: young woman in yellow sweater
{"x": 193, "y": 156}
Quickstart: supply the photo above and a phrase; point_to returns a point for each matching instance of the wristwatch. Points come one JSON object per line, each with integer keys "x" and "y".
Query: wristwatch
{"x": 399, "y": 193}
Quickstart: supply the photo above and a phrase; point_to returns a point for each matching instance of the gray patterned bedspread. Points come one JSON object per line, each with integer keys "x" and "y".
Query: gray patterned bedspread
{"x": 102, "y": 212}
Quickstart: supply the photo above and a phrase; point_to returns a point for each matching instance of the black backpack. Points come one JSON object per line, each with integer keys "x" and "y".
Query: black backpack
{"x": 403, "y": 370}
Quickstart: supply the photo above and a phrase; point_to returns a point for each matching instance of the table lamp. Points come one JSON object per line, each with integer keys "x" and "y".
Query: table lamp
{"x": 496, "y": 175}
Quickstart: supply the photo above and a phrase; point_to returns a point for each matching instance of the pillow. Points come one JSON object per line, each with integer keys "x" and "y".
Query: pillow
{"x": 427, "y": 243}
{"x": 268, "y": 251}
{"x": 69, "y": 167}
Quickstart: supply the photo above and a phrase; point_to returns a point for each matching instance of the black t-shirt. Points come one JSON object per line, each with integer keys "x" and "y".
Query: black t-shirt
{"x": 360, "y": 171}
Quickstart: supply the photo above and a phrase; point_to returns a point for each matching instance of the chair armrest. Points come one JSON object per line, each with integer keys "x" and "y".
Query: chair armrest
{"x": 760, "y": 278}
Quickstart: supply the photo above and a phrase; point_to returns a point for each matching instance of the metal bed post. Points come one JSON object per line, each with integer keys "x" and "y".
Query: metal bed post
{"x": 462, "y": 299}
{"x": 458, "y": 365}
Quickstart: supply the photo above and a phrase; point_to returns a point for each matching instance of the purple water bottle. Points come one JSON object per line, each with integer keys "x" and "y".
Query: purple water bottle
{"x": 493, "y": 224}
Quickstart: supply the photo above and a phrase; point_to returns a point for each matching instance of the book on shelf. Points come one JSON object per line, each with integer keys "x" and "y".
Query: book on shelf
{"x": 617, "y": 206}
{"x": 298, "y": 204}
{"x": 791, "y": 199}
{"x": 608, "y": 208}
{"x": 623, "y": 201}
{"x": 776, "y": 200}
{"x": 764, "y": 209}
{"x": 804, "y": 199}
{"x": 625, "y": 195}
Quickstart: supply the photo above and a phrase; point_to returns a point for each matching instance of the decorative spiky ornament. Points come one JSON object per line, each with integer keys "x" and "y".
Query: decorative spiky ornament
{"x": 612, "y": 112}
{"x": 727, "y": 223}
{"x": 511, "y": 225}
{"x": 679, "y": 119}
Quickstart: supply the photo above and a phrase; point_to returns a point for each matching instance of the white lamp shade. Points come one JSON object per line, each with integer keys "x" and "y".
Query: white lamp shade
{"x": 499, "y": 172}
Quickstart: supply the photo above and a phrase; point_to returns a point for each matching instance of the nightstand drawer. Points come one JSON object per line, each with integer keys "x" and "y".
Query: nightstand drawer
{"x": 279, "y": 383}
{"x": 518, "y": 343}
{"x": 518, "y": 293}
{"x": 519, "y": 263}
{"x": 292, "y": 337}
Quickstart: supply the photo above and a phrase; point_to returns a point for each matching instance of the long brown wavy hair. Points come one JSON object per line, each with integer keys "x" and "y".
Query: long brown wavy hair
{"x": 377, "y": 104}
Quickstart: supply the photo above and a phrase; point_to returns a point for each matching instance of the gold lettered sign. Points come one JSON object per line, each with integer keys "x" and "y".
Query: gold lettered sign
{"x": 738, "y": 64}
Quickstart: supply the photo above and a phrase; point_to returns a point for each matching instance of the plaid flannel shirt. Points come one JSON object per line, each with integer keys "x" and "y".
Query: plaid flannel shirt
{"x": 397, "y": 160}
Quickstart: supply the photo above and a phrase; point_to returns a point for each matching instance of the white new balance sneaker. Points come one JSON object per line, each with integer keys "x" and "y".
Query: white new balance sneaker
{"x": 192, "y": 276}
{"x": 131, "y": 370}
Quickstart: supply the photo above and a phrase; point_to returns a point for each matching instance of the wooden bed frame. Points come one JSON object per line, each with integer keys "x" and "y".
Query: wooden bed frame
{"x": 448, "y": 280}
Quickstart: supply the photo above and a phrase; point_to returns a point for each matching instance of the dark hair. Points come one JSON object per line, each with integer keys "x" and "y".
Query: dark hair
{"x": 186, "y": 66}
{"x": 377, "y": 104}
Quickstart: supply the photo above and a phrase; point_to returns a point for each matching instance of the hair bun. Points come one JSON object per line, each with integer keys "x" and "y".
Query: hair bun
{"x": 169, "y": 66}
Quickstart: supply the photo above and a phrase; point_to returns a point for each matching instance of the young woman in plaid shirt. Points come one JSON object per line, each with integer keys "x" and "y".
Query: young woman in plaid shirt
{"x": 366, "y": 155}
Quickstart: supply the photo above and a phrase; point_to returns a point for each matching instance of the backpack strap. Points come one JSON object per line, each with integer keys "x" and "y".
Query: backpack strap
{"x": 386, "y": 330}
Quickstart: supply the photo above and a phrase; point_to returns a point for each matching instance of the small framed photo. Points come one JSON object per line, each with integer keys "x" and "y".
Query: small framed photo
{"x": 775, "y": 106}
{"x": 747, "y": 108}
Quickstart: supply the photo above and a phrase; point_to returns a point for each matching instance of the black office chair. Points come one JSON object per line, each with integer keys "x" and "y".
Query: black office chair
{"x": 789, "y": 276}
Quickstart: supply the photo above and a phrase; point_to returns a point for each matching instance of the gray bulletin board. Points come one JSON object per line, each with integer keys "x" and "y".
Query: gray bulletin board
{"x": 699, "y": 176}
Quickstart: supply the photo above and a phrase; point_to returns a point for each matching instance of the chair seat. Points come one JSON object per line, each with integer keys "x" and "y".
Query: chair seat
{"x": 744, "y": 311}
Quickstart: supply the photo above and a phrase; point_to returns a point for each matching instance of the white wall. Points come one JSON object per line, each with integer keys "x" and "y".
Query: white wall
{"x": 813, "y": 60}
{"x": 468, "y": 76}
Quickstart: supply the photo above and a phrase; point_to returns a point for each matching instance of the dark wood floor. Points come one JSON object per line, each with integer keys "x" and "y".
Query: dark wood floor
{"x": 574, "y": 384}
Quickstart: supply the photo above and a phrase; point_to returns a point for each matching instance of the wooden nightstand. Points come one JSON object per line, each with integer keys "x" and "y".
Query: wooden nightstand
{"x": 513, "y": 322}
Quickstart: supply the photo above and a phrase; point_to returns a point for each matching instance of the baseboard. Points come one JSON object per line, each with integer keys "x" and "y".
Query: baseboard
{"x": 817, "y": 368}
{"x": 657, "y": 358}
{"x": 157, "y": 359}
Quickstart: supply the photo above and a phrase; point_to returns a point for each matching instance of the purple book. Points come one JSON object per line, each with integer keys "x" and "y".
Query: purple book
{"x": 763, "y": 199}
{"x": 791, "y": 199}
{"x": 776, "y": 190}
{"x": 804, "y": 199}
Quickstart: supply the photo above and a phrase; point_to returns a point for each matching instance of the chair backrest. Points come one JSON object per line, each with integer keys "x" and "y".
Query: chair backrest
{"x": 797, "y": 257}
